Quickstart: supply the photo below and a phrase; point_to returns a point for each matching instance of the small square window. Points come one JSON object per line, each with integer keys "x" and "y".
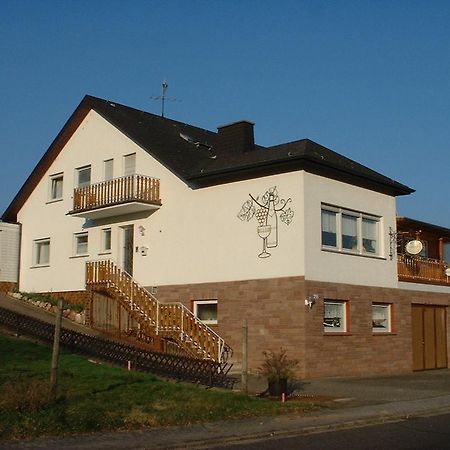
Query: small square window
{"x": 106, "y": 240}
{"x": 80, "y": 244}
{"x": 335, "y": 316}
{"x": 83, "y": 176}
{"x": 56, "y": 187}
{"x": 381, "y": 318}
{"x": 206, "y": 311}
{"x": 41, "y": 252}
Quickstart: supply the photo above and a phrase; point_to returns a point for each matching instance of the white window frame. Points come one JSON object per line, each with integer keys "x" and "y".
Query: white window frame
{"x": 78, "y": 170}
{"x": 388, "y": 314}
{"x": 342, "y": 305}
{"x": 37, "y": 244}
{"x": 126, "y": 170}
{"x": 359, "y": 216}
{"x": 206, "y": 302}
{"x": 51, "y": 191}
{"x": 76, "y": 244}
{"x": 103, "y": 248}
{"x": 106, "y": 163}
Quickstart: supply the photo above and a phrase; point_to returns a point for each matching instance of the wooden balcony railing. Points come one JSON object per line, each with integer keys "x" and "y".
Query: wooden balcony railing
{"x": 133, "y": 188}
{"x": 170, "y": 320}
{"x": 422, "y": 270}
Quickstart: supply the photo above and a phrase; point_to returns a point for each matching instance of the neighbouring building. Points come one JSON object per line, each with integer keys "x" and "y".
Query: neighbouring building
{"x": 167, "y": 223}
{"x": 9, "y": 256}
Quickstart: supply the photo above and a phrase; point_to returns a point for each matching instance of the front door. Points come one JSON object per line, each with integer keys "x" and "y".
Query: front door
{"x": 127, "y": 248}
{"x": 429, "y": 337}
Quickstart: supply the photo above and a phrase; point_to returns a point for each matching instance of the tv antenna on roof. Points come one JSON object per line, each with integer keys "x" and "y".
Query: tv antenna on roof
{"x": 163, "y": 97}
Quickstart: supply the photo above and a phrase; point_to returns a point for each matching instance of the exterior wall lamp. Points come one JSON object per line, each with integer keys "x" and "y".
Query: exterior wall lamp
{"x": 311, "y": 300}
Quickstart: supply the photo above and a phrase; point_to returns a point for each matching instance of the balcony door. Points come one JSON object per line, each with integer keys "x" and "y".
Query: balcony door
{"x": 429, "y": 337}
{"x": 127, "y": 248}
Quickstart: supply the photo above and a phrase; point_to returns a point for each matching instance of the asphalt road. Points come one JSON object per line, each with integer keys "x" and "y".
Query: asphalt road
{"x": 413, "y": 434}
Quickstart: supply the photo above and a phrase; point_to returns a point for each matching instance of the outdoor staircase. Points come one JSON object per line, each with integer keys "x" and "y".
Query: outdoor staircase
{"x": 169, "y": 321}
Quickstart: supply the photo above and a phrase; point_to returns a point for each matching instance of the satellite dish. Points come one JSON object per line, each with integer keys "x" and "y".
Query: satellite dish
{"x": 447, "y": 272}
{"x": 414, "y": 247}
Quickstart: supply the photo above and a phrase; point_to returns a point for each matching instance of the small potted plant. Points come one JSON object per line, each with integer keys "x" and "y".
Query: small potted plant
{"x": 277, "y": 368}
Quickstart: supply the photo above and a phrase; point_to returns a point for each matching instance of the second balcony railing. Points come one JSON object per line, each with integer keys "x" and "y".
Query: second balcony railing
{"x": 133, "y": 188}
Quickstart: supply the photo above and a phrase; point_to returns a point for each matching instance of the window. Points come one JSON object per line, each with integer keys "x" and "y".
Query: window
{"x": 80, "y": 244}
{"x": 41, "y": 252}
{"x": 56, "y": 187}
{"x": 381, "y": 318}
{"x": 129, "y": 164}
{"x": 108, "y": 167}
{"x": 447, "y": 252}
{"x": 83, "y": 176}
{"x": 335, "y": 316}
{"x": 206, "y": 311}
{"x": 350, "y": 231}
{"x": 329, "y": 228}
{"x": 106, "y": 240}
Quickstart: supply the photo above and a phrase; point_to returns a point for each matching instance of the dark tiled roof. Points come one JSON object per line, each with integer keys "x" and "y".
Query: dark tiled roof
{"x": 201, "y": 163}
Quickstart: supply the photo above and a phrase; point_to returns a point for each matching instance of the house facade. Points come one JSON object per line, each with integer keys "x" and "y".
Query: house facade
{"x": 295, "y": 239}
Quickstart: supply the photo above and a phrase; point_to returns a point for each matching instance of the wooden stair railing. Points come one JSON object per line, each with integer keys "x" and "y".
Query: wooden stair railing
{"x": 168, "y": 320}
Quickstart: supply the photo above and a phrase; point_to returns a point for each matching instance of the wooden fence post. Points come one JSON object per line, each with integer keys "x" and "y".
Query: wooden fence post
{"x": 55, "y": 354}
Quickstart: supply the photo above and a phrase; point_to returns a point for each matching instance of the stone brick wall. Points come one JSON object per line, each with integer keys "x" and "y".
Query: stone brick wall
{"x": 7, "y": 286}
{"x": 73, "y": 297}
{"x": 274, "y": 310}
{"x": 277, "y": 317}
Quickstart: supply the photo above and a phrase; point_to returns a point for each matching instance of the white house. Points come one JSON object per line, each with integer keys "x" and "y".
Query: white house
{"x": 296, "y": 239}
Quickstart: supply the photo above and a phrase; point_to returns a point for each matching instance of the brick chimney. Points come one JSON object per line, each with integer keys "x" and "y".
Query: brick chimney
{"x": 235, "y": 138}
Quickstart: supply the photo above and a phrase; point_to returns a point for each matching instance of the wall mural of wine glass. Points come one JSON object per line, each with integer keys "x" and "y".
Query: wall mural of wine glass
{"x": 267, "y": 209}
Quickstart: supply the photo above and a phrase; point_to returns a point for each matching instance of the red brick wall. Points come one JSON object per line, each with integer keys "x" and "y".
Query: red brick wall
{"x": 6, "y": 286}
{"x": 73, "y": 297}
{"x": 274, "y": 310}
{"x": 277, "y": 317}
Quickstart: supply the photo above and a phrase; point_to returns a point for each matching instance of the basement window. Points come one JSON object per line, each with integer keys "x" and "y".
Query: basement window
{"x": 381, "y": 318}
{"x": 335, "y": 316}
{"x": 206, "y": 311}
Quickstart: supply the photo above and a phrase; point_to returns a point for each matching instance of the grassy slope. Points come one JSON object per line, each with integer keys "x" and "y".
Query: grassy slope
{"x": 93, "y": 397}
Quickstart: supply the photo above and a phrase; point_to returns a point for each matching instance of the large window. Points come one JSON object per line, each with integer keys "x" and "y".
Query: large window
{"x": 206, "y": 311}
{"x": 80, "y": 244}
{"x": 56, "y": 187}
{"x": 335, "y": 316}
{"x": 381, "y": 318}
{"x": 350, "y": 231}
{"x": 41, "y": 252}
{"x": 83, "y": 176}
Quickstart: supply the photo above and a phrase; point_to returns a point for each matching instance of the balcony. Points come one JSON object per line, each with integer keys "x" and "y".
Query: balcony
{"x": 125, "y": 195}
{"x": 422, "y": 270}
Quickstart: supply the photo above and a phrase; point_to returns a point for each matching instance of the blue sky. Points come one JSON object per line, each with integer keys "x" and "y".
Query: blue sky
{"x": 368, "y": 79}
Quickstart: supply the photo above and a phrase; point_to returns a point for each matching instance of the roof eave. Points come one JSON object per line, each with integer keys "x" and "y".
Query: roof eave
{"x": 266, "y": 168}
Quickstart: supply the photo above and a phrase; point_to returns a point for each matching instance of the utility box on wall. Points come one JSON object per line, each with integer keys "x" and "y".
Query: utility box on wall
{"x": 9, "y": 252}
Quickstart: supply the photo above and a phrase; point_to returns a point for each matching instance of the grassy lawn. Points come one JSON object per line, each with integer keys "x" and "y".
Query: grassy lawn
{"x": 94, "y": 397}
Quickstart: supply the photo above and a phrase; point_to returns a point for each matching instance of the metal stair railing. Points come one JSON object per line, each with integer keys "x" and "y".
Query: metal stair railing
{"x": 172, "y": 320}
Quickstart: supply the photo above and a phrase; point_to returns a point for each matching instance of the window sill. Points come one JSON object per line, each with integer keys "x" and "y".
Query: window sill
{"x": 78, "y": 256}
{"x": 383, "y": 333}
{"x": 55, "y": 200}
{"x": 105, "y": 253}
{"x": 336, "y": 333}
{"x": 39, "y": 266}
{"x": 348, "y": 252}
